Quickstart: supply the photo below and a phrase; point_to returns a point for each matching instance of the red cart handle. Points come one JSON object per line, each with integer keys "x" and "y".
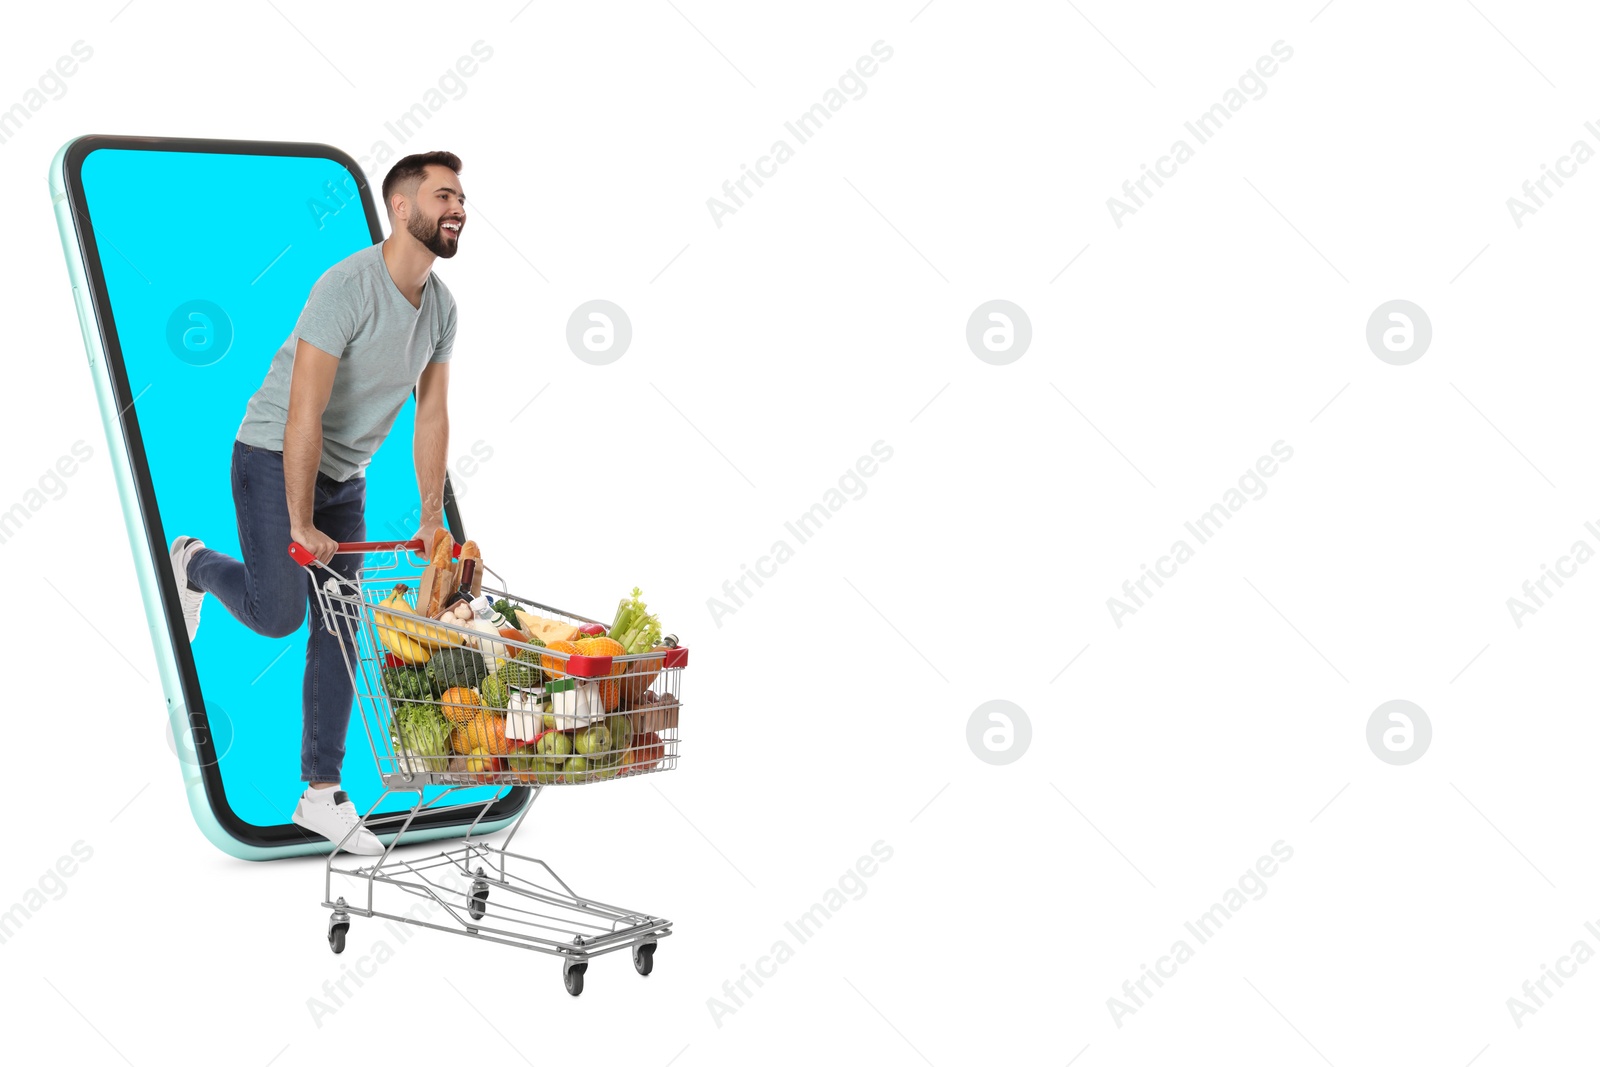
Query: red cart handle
{"x": 303, "y": 556}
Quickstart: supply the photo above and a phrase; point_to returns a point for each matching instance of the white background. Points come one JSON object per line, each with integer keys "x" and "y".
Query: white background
{"x": 830, "y": 711}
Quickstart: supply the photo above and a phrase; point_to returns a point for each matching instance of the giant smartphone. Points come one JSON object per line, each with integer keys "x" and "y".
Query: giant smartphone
{"x": 190, "y": 263}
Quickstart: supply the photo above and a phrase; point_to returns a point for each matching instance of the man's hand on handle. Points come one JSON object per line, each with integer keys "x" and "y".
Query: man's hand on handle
{"x": 425, "y": 533}
{"x": 315, "y": 541}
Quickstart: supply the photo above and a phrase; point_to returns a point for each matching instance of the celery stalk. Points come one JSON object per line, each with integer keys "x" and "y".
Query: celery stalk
{"x": 634, "y": 628}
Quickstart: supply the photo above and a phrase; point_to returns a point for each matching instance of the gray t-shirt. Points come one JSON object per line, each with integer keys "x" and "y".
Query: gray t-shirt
{"x": 356, "y": 312}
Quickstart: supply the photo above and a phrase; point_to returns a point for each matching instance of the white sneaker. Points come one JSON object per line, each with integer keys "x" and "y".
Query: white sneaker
{"x": 183, "y": 550}
{"x": 329, "y": 812}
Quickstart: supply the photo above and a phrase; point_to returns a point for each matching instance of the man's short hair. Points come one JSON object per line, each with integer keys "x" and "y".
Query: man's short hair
{"x": 407, "y": 173}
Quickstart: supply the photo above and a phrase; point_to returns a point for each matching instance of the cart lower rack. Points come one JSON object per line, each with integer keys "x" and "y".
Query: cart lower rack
{"x": 494, "y": 894}
{"x": 447, "y": 705}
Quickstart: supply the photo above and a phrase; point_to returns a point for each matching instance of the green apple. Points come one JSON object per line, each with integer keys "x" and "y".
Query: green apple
{"x": 621, "y": 727}
{"x": 554, "y": 743}
{"x": 595, "y": 739}
{"x": 576, "y": 769}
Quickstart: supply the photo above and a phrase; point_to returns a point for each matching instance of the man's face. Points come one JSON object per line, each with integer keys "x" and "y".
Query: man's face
{"x": 440, "y": 212}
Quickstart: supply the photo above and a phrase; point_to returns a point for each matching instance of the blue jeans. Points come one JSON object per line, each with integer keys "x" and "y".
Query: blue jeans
{"x": 270, "y": 593}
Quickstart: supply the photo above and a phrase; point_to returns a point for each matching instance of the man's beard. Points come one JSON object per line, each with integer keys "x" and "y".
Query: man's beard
{"x": 432, "y": 237}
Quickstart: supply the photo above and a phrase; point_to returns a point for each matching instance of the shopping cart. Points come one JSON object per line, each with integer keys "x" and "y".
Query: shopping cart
{"x": 548, "y": 717}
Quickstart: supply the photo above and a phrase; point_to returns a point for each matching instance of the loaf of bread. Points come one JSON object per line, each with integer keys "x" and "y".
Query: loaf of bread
{"x": 439, "y": 577}
{"x": 450, "y": 577}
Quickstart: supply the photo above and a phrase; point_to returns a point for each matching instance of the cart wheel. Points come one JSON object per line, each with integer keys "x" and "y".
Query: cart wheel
{"x": 644, "y": 957}
{"x": 476, "y": 905}
{"x": 572, "y": 978}
{"x": 336, "y": 934}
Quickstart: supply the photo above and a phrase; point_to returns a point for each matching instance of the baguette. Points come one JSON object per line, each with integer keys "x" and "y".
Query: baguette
{"x": 449, "y": 569}
{"x": 546, "y": 630}
{"x": 441, "y": 536}
{"x": 435, "y": 580}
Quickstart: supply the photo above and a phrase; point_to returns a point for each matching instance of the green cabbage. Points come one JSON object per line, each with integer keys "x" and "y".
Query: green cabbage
{"x": 422, "y": 730}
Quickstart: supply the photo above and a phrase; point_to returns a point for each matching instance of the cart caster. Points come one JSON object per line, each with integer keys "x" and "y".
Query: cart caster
{"x": 572, "y": 970}
{"x": 338, "y": 926}
{"x": 477, "y": 905}
{"x": 644, "y": 956}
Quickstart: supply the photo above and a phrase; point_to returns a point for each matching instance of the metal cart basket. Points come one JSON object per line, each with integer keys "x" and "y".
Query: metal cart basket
{"x": 444, "y": 704}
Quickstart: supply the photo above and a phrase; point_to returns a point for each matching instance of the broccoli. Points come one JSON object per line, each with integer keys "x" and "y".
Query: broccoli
{"x": 407, "y": 683}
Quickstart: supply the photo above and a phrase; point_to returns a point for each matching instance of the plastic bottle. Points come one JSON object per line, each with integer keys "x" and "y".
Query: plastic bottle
{"x": 489, "y": 622}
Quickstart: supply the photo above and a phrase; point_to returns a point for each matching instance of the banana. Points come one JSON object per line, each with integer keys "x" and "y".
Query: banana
{"x": 396, "y": 640}
{"x": 403, "y": 625}
{"x": 403, "y": 645}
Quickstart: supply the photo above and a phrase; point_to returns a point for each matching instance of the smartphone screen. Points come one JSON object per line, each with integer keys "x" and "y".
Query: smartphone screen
{"x": 207, "y": 259}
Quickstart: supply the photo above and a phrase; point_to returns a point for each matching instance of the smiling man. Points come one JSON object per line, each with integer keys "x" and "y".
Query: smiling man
{"x": 377, "y": 325}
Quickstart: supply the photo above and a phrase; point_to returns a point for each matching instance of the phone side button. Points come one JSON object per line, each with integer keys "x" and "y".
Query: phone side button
{"x": 83, "y": 323}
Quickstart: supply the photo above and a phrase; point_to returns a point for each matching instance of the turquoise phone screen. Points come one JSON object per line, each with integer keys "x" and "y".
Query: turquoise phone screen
{"x": 208, "y": 260}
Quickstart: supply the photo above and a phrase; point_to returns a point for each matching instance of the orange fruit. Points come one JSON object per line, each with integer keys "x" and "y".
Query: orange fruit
{"x": 600, "y": 646}
{"x": 553, "y": 667}
{"x": 495, "y": 725}
{"x": 460, "y": 704}
{"x": 486, "y": 731}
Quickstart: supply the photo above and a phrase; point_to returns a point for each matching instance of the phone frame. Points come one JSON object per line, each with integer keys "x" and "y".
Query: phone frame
{"x": 180, "y": 681}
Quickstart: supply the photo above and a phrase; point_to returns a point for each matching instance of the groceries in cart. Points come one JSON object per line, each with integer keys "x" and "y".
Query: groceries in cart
{"x": 460, "y": 683}
{"x": 489, "y": 690}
